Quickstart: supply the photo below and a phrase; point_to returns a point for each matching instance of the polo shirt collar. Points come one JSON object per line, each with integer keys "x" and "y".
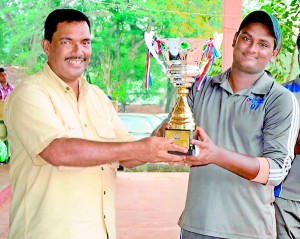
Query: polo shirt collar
{"x": 260, "y": 87}
{"x": 222, "y": 80}
{"x": 263, "y": 85}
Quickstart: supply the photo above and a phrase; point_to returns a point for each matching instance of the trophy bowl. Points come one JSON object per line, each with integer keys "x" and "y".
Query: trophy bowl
{"x": 180, "y": 61}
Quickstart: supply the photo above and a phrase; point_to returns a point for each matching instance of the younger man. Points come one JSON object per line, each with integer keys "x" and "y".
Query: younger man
{"x": 249, "y": 124}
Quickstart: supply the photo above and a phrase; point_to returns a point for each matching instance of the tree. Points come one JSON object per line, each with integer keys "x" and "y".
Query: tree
{"x": 119, "y": 53}
{"x": 287, "y": 13}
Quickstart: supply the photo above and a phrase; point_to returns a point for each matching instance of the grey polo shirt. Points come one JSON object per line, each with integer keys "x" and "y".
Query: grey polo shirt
{"x": 261, "y": 120}
{"x": 290, "y": 189}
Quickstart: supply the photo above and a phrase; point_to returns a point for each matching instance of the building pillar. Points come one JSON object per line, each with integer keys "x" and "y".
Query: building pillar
{"x": 232, "y": 17}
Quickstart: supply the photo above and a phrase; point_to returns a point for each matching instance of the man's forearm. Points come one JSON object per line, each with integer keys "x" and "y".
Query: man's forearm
{"x": 81, "y": 152}
{"x": 243, "y": 165}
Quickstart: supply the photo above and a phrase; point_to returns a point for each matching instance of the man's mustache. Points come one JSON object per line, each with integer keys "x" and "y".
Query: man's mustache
{"x": 82, "y": 58}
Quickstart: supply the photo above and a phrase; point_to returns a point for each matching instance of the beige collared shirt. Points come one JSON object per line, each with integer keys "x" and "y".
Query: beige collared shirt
{"x": 59, "y": 202}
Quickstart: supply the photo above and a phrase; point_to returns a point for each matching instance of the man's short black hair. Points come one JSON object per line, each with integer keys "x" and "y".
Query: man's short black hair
{"x": 2, "y": 69}
{"x": 62, "y": 15}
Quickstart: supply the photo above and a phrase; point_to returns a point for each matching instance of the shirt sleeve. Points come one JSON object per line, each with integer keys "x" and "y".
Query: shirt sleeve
{"x": 31, "y": 114}
{"x": 279, "y": 135}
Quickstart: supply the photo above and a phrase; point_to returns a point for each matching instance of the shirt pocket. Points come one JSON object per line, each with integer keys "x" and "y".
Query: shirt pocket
{"x": 104, "y": 128}
{"x": 73, "y": 130}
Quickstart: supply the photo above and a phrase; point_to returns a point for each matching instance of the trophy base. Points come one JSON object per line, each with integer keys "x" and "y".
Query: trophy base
{"x": 181, "y": 138}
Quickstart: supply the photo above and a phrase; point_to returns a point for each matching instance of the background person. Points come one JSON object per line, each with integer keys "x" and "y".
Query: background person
{"x": 66, "y": 142}
{"x": 287, "y": 203}
{"x": 5, "y": 87}
{"x": 249, "y": 124}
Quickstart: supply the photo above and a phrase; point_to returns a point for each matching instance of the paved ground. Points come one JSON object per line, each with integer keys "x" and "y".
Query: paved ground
{"x": 4, "y": 208}
{"x": 4, "y": 183}
{"x": 148, "y": 205}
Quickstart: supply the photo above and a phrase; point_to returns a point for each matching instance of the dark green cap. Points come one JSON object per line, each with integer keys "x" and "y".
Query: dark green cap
{"x": 267, "y": 19}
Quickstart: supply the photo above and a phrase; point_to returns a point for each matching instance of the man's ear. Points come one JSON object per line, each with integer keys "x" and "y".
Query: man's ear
{"x": 234, "y": 39}
{"x": 46, "y": 46}
{"x": 275, "y": 53}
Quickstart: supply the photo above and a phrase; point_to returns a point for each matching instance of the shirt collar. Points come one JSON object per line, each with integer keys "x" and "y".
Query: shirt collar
{"x": 263, "y": 85}
{"x": 260, "y": 87}
{"x": 61, "y": 83}
{"x": 8, "y": 86}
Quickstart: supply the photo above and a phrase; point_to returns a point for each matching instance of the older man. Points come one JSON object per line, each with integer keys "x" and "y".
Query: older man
{"x": 67, "y": 142}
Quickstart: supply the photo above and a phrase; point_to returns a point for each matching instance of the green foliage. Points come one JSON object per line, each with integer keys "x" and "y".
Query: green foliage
{"x": 283, "y": 66}
{"x": 119, "y": 53}
{"x": 287, "y": 13}
{"x": 3, "y": 41}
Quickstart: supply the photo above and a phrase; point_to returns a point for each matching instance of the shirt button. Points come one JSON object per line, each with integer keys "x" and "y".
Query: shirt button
{"x": 104, "y": 216}
{"x": 85, "y": 125}
{"x": 104, "y": 192}
{"x": 102, "y": 168}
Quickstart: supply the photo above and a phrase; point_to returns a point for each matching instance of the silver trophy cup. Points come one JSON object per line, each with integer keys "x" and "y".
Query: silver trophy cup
{"x": 180, "y": 59}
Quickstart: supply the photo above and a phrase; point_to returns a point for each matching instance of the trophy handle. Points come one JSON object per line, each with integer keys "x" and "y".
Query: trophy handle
{"x": 148, "y": 36}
